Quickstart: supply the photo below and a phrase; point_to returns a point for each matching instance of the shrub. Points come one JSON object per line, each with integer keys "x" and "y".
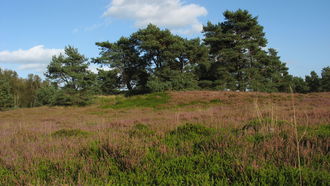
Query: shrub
{"x": 68, "y": 98}
{"x": 46, "y": 95}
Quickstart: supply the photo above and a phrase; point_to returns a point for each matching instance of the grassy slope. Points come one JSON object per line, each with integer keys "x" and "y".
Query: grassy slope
{"x": 191, "y": 137}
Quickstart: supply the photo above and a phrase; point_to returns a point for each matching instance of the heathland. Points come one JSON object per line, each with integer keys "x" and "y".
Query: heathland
{"x": 171, "y": 138}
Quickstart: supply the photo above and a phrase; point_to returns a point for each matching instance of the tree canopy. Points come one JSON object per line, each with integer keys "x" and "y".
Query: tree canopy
{"x": 233, "y": 55}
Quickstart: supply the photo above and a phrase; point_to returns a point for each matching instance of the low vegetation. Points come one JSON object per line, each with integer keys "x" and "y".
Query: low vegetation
{"x": 149, "y": 100}
{"x": 173, "y": 138}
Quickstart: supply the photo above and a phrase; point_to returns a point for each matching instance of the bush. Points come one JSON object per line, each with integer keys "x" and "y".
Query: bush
{"x": 66, "y": 98}
{"x": 46, "y": 95}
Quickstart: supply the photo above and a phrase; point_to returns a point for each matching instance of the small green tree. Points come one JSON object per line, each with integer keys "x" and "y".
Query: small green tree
{"x": 71, "y": 73}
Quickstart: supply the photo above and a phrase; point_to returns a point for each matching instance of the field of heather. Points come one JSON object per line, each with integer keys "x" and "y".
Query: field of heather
{"x": 190, "y": 138}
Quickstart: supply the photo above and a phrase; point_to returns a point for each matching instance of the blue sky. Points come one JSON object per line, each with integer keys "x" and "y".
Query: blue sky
{"x": 31, "y": 31}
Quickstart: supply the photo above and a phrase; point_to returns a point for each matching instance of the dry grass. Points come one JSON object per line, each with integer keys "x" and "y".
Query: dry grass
{"x": 26, "y": 134}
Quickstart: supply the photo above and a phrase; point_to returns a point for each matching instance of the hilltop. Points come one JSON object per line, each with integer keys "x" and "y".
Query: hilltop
{"x": 186, "y": 137}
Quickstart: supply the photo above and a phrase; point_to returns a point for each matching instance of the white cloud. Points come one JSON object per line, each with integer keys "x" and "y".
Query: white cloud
{"x": 172, "y": 14}
{"x": 35, "y": 55}
{"x": 33, "y": 66}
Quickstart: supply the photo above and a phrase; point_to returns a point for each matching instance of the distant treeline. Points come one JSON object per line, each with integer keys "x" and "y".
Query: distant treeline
{"x": 232, "y": 56}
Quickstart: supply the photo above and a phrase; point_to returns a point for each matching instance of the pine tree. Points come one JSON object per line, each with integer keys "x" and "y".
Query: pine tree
{"x": 325, "y": 81}
{"x": 238, "y": 60}
{"x": 71, "y": 73}
{"x": 314, "y": 82}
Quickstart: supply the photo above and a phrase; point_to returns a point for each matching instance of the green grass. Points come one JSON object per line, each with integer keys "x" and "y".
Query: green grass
{"x": 141, "y": 131}
{"x": 7, "y": 176}
{"x": 153, "y": 100}
{"x": 323, "y": 131}
{"x": 70, "y": 133}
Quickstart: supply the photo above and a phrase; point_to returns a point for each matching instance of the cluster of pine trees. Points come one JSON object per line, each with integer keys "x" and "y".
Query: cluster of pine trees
{"x": 232, "y": 56}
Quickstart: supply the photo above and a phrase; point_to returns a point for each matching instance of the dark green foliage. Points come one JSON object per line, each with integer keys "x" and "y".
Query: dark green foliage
{"x": 69, "y": 133}
{"x": 32, "y": 84}
{"x": 172, "y": 80}
{"x": 153, "y": 100}
{"x": 299, "y": 85}
{"x": 109, "y": 81}
{"x": 123, "y": 57}
{"x": 238, "y": 61}
{"x": 46, "y": 95}
{"x": 69, "y": 97}
{"x": 205, "y": 84}
{"x": 314, "y": 82}
{"x": 18, "y": 92}
{"x": 325, "y": 81}
{"x": 154, "y": 60}
{"x": 6, "y": 98}
{"x": 71, "y": 73}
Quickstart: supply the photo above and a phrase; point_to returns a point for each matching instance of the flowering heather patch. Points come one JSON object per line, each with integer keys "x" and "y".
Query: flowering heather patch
{"x": 190, "y": 138}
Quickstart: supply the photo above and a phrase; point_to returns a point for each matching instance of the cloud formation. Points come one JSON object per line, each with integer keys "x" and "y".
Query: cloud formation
{"x": 172, "y": 14}
{"x": 35, "y": 58}
{"x": 37, "y": 54}
{"x": 33, "y": 66}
